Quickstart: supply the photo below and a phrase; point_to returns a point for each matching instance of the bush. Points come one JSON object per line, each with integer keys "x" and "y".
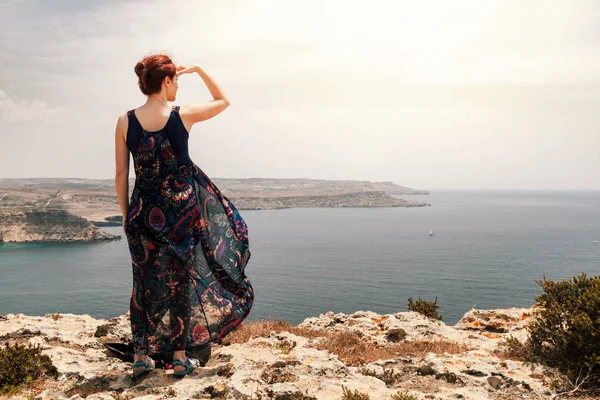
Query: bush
{"x": 511, "y": 348}
{"x": 356, "y": 395}
{"x": 403, "y": 396}
{"x": 20, "y": 366}
{"x": 566, "y": 331}
{"x": 427, "y": 308}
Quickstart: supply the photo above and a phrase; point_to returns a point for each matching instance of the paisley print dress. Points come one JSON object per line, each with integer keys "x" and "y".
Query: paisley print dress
{"x": 188, "y": 244}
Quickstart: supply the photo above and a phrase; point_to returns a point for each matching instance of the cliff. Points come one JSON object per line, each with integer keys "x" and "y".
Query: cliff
{"x": 379, "y": 355}
{"x": 48, "y": 226}
{"x": 355, "y": 199}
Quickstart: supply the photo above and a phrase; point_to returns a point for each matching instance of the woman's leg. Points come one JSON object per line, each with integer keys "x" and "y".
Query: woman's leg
{"x": 139, "y": 334}
{"x": 180, "y": 314}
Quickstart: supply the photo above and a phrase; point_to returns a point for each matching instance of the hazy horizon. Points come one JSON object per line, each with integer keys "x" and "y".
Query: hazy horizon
{"x": 430, "y": 95}
{"x": 432, "y": 190}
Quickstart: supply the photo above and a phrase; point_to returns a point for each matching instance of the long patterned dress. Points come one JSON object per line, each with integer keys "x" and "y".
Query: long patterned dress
{"x": 188, "y": 244}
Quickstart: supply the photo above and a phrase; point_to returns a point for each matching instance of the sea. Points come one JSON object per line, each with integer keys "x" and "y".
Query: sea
{"x": 489, "y": 250}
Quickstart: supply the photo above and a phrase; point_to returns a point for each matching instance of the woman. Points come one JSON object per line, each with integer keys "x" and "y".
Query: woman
{"x": 188, "y": 243}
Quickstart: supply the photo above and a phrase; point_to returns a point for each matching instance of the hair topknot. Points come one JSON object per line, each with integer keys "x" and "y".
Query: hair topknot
{"x": 152, "y": 70}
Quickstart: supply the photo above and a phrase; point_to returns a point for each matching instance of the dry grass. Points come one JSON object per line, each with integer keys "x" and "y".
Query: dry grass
{"x": 350, "y": 348}
{"x": 388, "y": 376}
{"x": 512, "y": 349}
{"x": 262, "y": 329}
{"x": 354, "y": 351}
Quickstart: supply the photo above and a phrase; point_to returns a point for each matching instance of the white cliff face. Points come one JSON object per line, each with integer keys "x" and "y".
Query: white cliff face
{"x": 282, "y": 364}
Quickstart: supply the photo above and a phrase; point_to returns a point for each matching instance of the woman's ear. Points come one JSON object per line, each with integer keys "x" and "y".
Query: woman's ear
{"x": 167, "y": 82}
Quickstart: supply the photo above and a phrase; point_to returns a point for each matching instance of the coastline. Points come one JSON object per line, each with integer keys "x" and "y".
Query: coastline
{"x": 63, "y": 210}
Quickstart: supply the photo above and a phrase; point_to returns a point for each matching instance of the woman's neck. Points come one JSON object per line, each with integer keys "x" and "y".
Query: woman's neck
{"x": 158, "y": 100}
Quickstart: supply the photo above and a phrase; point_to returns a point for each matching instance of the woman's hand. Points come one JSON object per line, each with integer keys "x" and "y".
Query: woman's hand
{"x": 123, "y": 224}
{"x": 186, "y": 69}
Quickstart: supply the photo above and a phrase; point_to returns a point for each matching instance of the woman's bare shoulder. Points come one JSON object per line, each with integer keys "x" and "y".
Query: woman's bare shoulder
{"x": 123, "y": 123}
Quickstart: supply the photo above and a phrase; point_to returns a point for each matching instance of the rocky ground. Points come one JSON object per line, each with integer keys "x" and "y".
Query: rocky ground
{"x": 285, "y": 363}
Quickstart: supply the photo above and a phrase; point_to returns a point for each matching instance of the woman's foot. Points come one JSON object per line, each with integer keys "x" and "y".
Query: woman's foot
{"x": 179, "y": 355}
{"x": 183, "y": 365}
{"x": 141, "y": 367}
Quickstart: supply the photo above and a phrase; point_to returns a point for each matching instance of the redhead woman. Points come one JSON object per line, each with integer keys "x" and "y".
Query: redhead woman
{"x": 188, "y": 242}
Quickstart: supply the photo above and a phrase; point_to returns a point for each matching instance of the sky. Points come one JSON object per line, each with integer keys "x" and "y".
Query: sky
{"x": 462, "y": 94}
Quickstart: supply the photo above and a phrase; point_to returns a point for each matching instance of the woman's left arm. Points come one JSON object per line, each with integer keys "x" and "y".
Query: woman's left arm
{"x": 122, "y": 165}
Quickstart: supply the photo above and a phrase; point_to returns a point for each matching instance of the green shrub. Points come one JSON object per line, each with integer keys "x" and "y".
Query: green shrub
{"x": 566, "y": 331}
{"x": 513, "y": 349}
{"x": 356, "y": 395}
{"x": 21, "y": 365}
{"x": 427, "y": 308}
{"x": 403, "y": 396}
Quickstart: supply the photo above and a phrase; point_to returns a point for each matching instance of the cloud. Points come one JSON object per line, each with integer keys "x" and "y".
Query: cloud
{"x": 26, "y": 112}
{"x": 328, "y": 89}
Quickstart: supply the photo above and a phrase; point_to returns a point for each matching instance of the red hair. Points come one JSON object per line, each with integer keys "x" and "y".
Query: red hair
{"x": 152, "y": 70}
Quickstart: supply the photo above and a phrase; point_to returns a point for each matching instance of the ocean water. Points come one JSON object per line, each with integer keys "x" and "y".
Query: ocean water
{"x": 488, "y": 250}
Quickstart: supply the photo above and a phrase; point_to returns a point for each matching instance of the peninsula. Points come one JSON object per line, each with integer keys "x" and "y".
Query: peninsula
{"x": 72, "y": 209}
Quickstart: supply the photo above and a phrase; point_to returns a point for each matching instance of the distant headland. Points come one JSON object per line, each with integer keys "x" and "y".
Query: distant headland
{"x": 72, "y": 209}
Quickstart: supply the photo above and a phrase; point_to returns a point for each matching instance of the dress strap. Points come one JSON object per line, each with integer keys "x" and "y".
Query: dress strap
{"x": 181, "y": 129}
{"x": 133, "y": 132}
{"x": 132, "y": 121}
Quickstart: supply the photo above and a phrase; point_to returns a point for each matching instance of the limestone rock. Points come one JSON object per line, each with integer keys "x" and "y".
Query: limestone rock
{"x": 282, "y": 364}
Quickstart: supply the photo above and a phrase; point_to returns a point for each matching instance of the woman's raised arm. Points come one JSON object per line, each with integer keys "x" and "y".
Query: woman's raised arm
{"x": 192, "y": 113}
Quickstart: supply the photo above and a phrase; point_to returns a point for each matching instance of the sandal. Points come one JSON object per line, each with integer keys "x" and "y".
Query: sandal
{"x": 190, "y": 364}
{"x": 147, "y": 367}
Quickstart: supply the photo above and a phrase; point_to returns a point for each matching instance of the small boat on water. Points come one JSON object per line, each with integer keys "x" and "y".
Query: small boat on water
{"x": 595, "y": 241}
{"x": 431, "y": 232}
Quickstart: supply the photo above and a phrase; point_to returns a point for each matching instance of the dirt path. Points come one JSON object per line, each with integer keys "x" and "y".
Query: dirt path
{"x": 51, "y": 198}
